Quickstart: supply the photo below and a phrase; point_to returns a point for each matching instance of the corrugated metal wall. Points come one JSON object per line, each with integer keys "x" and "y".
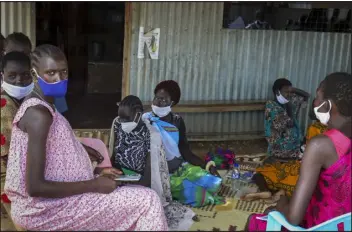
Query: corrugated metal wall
{"x": 18, "y": 17}
{"x": 211, "y": 63}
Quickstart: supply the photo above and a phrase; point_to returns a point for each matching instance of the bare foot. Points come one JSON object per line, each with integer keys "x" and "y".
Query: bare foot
{"x": 256, "y": 196}
{"x": 276, "y": 197}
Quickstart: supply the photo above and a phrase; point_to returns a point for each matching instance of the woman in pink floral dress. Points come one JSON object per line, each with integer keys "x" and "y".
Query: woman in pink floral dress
{"x": 50, "y": 179}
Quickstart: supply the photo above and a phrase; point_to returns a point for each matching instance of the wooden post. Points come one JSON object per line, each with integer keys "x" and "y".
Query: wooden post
{"x": 127, "y": 50}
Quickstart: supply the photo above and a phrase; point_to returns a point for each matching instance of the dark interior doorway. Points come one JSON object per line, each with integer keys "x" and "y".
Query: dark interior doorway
{"x": 91, "y": 34}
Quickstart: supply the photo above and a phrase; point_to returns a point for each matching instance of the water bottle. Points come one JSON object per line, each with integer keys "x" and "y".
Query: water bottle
{"x": 235, "y": 176}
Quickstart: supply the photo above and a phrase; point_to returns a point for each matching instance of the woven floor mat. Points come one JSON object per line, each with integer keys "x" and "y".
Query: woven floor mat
{"x": 232, "y": 216}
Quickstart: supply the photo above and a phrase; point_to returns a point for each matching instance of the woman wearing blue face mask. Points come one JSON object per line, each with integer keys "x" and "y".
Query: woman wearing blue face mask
{"x": 282, "y": 132}
{"x": 16, "y": 84}
{"x": 51, "y": 181}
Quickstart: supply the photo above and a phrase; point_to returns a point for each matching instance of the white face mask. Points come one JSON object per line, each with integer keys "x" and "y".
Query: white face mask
{"x": 281, "y": 99}
{"x": 128, "y": 127}
{"x": 323, "y": 117}
{"x": 17, "y": 92}
{"x": 161, "y": 111}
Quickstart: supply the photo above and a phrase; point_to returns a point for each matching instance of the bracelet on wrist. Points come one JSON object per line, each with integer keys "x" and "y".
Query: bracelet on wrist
{"x": 209, "y": 164}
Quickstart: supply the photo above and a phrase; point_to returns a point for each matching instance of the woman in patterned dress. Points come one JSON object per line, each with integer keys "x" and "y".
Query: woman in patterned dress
{"x": 280, "y": 170}
{"x": 50, "y": 179}
{"x": 16, "y": 84}
{"x": 323, "y": 190}
{"x": 15, "y": 42}
{"x": 137, "y": 148}
{"x": 190, "y": 184}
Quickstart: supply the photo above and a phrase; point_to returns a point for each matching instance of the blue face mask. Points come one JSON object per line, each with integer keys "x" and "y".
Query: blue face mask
{"x": 57, "y": 89}
{"x": 61, "y": 104}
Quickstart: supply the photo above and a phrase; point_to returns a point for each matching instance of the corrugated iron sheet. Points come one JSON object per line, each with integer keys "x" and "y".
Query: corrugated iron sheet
{"x": 18, "y": 17}
{"x": 212, "y": 63}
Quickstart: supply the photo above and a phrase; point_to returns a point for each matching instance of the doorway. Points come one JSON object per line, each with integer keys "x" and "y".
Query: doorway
{"x": 91, "y": 34}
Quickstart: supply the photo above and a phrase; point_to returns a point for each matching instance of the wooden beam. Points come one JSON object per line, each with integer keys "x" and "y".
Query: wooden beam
{"x": 214, "y": 106}
{"x": 127, "y": 50}
{"x": 103, "y": 134}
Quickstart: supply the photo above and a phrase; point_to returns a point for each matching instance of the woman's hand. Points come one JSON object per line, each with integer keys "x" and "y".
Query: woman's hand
{"x": 104, "y": 184}
{"x": 112, "y": 173}
{"x": 213, "y": 171}
{"x": 299, "y": 92}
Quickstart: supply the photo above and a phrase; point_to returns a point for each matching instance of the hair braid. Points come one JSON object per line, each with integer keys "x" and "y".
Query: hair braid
{"x": 132, "y": 102}
{"x": 46, "y": 50}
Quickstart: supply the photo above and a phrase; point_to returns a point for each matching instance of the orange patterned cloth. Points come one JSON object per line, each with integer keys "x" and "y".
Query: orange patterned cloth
{"x": 315, "y": 129}
{"x": 8, "y": 111}
{"x": 280, "y": 175}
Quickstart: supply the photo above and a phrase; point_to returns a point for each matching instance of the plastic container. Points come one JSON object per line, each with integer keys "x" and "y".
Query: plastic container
{"x": 236, "y": 178}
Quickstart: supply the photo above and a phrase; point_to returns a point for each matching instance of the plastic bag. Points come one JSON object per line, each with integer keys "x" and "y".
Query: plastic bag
{"x": 192, "y": 185}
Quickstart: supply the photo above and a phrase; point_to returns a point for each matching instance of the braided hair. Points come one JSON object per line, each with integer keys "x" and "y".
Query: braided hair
{"x": 46, "y": 50}
{"x": 172, "y": 88}
{"x": 133, "y": 103}
{"x": 338, "y": 87}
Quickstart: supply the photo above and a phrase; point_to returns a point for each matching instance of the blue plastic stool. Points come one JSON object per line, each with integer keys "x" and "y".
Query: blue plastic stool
{"x": 275, "y": 220}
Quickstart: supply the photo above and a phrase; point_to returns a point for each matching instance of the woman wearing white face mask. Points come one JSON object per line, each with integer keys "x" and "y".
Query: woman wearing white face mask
{"x": 16, "y": 84}
{"x": 186, "y": 168}
{"x": 137, "y": 149}
{"x": 323, "y": 189}
{"x": 281, "y": 124}
{"x": 282, "y": 133}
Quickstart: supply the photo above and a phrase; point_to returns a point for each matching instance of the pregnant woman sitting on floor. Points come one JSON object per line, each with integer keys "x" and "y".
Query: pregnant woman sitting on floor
{"x": 323, "y": 190}
{"x": 50, "y": 179}
{"x": 280, "y": 170}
